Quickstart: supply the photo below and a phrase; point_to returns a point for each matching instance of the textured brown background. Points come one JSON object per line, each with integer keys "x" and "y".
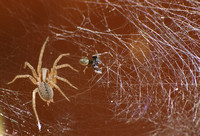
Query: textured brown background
{"x": 24, "y": 26}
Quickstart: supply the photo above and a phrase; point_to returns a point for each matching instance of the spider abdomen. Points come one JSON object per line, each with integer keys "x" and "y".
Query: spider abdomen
{"x": 45, "y": 91}
{"x": 84, "y": 61}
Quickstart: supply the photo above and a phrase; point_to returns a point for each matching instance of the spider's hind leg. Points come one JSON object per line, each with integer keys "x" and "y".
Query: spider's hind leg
{"x": 66, "y": 81}
{"x": 58, "y": 88}
{"x": 34, "y": 107}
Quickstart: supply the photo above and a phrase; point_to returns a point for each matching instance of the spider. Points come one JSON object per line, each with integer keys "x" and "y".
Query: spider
{"x": 45, "y": 80}
{"x": 94, "y": 62}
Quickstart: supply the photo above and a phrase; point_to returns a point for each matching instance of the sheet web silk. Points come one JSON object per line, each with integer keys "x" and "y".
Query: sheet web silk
{"x": 150, "y": 79}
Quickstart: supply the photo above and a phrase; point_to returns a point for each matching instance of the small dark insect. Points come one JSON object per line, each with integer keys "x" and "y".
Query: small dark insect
{"x": 92, "y": 62}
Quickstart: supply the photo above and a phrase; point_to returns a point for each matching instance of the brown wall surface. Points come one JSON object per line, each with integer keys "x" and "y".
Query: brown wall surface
{"x": 150, "y": 74}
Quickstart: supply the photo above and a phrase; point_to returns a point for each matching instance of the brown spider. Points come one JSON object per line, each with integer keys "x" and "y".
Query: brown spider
{"x": 45, "y": 80}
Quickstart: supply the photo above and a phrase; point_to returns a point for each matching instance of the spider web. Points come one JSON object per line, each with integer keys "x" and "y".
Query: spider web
{"x": 150, "y": 79}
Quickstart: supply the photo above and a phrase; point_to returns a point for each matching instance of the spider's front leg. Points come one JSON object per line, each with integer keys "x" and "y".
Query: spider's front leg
{"x": 39, "y": 67}
{"x": 54, "y": 68}
{"x": 24, "y": 76}
{"x": 34, "y": 107}
{"x": 59, "y": 58}
{"x": 27, "y": 64}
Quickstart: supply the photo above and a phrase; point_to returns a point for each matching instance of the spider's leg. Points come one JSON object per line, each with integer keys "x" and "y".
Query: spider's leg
{"x": 24, "y": 76}
{"x": 59, "y": 58}
{"x": 58, "y": 88}
{"x": 40, "y": 57}
{"x": 34, "y": 107}
{"x": 66, "y": 81}
{"x": 27, "y": 64}
{"x": 66, "y": 65}
{"x": 85, "y": 69}
{"x": 53, "y": 70}
{"x": 99, "y": 54}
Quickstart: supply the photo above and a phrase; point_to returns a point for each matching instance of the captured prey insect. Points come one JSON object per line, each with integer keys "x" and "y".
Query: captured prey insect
{"x": 45, "y": 80}
{"x": 94, "y": 62}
